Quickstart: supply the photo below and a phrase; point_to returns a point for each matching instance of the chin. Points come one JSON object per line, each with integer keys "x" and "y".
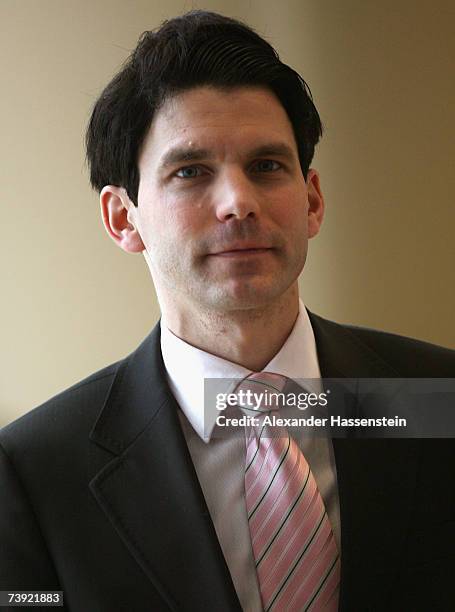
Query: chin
{"x": 246, "y": 297}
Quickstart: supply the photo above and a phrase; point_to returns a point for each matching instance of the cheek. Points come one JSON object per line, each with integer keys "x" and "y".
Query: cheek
{"x": 176, "y": 231}
{"x": 292, "y": 211}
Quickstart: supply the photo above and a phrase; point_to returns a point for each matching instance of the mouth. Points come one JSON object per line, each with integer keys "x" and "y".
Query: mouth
{"x": 246, "y": 251}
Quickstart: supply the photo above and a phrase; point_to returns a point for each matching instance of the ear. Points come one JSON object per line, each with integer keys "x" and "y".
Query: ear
{"x": 316, "y": 204}
{"x": 117, "y": 212}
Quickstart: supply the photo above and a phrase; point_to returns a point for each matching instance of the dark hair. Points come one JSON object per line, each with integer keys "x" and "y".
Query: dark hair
{"x": 195, "y": 49}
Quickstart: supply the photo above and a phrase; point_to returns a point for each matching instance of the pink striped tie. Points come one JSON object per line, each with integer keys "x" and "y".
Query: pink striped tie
{"x": 294, "y": 548}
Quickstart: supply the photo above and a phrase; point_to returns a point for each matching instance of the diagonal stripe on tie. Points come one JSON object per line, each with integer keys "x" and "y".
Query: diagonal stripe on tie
{"x": 294, "y": 548}
{"x": 282, "y": 524}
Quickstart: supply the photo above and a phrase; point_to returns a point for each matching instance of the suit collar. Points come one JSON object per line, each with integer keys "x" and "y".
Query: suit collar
{"x": 135, "y": 397}
{"x": 150, "y": 491}
{"x": 342, "y": 355}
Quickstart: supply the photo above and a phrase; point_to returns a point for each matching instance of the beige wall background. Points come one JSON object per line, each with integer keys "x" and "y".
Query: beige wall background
{"x": 382, "y": 78}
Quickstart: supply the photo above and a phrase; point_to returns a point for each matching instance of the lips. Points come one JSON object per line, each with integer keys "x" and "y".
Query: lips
{"x": 242, "y": 249}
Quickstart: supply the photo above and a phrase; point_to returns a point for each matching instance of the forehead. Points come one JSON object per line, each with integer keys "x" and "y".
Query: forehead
{"x": 218, "y": 118}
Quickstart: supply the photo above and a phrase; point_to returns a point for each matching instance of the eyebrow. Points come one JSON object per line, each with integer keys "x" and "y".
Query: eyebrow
{"x": 184, "y": 154}
{"x": 181, "y": 154}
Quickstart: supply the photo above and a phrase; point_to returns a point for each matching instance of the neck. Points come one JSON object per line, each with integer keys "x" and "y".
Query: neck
{"x": 250, "y": 338}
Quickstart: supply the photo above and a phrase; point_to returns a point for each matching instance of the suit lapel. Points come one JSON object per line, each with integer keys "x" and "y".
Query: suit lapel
{"x": 150, "y": 491}
{"x": 376, "y": 479}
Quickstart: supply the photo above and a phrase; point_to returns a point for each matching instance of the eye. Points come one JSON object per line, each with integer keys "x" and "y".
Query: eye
{"x": 267, "y": 165}
{"x": 189, "y": 172}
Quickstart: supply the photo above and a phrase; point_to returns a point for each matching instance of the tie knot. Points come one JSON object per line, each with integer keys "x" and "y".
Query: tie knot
{"x": 261, "y": 392}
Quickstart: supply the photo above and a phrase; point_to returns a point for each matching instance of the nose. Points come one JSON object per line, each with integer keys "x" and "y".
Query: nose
{"x": 235, "y": 197}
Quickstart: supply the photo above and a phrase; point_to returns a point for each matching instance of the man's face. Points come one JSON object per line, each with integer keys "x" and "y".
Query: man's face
{"x": 224, "y": 211}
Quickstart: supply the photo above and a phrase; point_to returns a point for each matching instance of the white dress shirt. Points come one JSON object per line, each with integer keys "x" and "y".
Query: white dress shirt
{"x": 220, "y": 462}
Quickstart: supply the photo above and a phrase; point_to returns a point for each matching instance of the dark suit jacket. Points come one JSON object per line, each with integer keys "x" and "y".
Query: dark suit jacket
{"x": 100, "y": 499}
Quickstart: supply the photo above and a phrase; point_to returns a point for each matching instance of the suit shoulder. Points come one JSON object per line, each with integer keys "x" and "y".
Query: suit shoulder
{"x": 66, "y": 412}
{"x": 409, "y": 356}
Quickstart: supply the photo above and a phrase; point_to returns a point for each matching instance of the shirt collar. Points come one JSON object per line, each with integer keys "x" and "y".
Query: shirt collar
{"x": 187, "y": 367}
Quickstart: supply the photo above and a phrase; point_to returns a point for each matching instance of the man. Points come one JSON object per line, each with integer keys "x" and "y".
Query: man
{"x": 112, "y": 491}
